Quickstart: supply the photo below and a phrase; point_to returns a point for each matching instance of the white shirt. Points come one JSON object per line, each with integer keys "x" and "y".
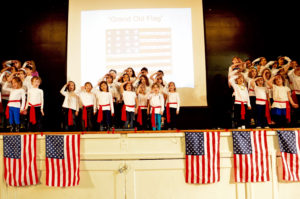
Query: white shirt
{"x": 16, "y": 94}
{"x": 241, "y": 92}
{"x": 114, "y": 90}
{"x": 280, "y": 93}
{"x": 129, "y": 99}
{"x": 104, "y": 98}
{"x": 260, "y": 93}
{"x": 250, "y": 88}
{"x": 35, "y": 96}
{"x": 4, "y": 93}
{"x": 156, "y": 100}
{"x": 173, "y": 97}
{"x": 88, "y": 99}
{"x": 71, "y": 99}
{"x": 27, "y": 83}
{"x": 142, "y": 100}
{"x": 295, "y": 79}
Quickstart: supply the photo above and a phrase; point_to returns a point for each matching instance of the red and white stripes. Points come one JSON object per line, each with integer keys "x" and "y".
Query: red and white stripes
{"x": 65, "y": 172}
{"x": 291, "y": 163}
{"x": 23, "y": 171}
{"x": 253, "y": 167}
{"x": 203, "y": 169}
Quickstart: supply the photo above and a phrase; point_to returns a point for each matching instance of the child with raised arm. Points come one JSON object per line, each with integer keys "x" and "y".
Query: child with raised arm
{"x": 105, "y": 106}
{"x": 4, "y": 96}
{"x": 16, "y": 103}
{"x": 252, "y": 74}
{"x": 130, "y": 101}
{"x": 88, "y": 100}
{"x": 294, "y": 76}
{"x": 281, "y": 111}
{"x": 142, "y": 98}
{"x": 155, "y": 106}
{"x": 35, "y": 103}
{"x": 70, "y": 106}
{"x": 172, "y": 106}
{"x": 27, "y": 81}
{"x": 241, "y": 99}
{"x": 143, "y": 79}
{"x": 263, "y": 117}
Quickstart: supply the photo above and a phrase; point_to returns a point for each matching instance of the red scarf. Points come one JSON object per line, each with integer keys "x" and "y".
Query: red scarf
{"x": 139, "y": 116}
{"x": 267, "y": 110}
{"x": 32, "y": 118}
{"x": 124, "y": 116}
{"x": 243, "y": 111}
{"x": 153, "y": 116}
{"x": 100, "y": 113}
{"x": 168, "y": 111}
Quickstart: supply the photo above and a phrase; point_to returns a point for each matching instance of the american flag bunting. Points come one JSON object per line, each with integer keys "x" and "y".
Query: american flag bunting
{"x": 62, "y": 160}
{"x": 20, "y": 167}
{"x": 290, "y": 152}
{"x": 251, "y": 156}
{"x": 202, "y": 157}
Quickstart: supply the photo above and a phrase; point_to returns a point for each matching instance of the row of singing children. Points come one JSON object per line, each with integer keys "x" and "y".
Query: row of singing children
{"x": 22, "y": 100}
{"x": 115, "y": 80}
{"x": 260, "y": 91}
{"x": 135, "y": 105}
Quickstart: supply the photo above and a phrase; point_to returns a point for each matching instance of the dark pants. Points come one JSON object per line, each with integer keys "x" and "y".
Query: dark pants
{"x": 90, "y": 119}
{"x": 252, "y": 112}
{"x": 130, "y": 119}
{"x": 68, "y": 127}
{"x": 279, "y": 117}
{"x": 106, "y": 120}
{"x": 296, "y": 114}
{"x": 237, "y": 115}
{"x": 116, "y": 121}
{"x": 261, "y": 119}
{"x": 145, "y": 120}
{"x": 173, "y": 118}
{"x": 3, "y": 119}
{"x": 37, "y": 127}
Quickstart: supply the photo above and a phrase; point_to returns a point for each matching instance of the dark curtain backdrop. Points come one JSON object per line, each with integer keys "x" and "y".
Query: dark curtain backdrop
{"x": 37, "y": 30}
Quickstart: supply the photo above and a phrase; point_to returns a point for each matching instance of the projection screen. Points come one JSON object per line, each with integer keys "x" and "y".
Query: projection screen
{"x": 165, "y": 35}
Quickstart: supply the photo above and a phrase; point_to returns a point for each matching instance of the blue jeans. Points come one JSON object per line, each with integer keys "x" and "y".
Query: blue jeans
{"x": 157, "y": 122}
{"x": 129, "y": 121}
{"x": 14, "y": 115}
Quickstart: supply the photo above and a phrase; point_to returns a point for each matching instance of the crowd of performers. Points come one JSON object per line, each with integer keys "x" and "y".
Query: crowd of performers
{"x": 119, "y": 100}
{"x": 265, "y": 93}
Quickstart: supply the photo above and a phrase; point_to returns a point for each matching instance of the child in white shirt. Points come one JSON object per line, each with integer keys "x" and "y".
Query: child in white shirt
{"x": 105, "y": 106}
{"x": 16, "y": 103}
{"x": 70, "y": 106}
{"x": 35, "y": 102}
{"x": 155, "y": 106}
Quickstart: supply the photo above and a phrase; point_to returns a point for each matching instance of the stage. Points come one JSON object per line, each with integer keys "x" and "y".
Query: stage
{"x": 148, "y": 164}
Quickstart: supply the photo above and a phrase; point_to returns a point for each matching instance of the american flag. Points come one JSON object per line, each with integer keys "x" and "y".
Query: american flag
{"x": 62, "y": 160}
{"x": 202, "y": 157}
{"x": 137, "y": 48}
{"x": 20, "y": 160}
{"x": 251, "y": 156}
{"x": 290, "y": 152}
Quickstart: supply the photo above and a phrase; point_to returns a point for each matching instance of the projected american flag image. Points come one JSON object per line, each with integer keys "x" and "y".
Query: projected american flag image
{"x": 144, "y": 47}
